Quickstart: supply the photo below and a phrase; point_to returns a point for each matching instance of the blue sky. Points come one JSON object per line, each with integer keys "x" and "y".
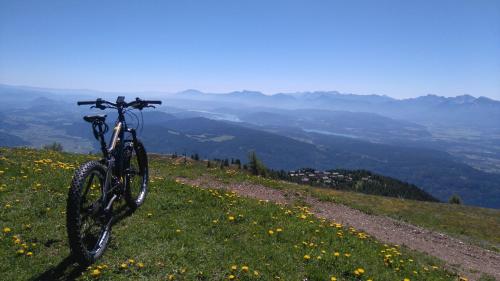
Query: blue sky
{"x": 397, "y": 48}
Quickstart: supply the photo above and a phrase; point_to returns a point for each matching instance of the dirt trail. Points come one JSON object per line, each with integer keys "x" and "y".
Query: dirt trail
{"x": 467, "y": 259}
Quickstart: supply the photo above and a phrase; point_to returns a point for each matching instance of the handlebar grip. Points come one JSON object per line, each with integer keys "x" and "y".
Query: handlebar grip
{"x": 85, "y": 102}
{"x": 153, "y": 101}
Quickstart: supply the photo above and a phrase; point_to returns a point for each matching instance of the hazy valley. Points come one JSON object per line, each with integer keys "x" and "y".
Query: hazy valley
{"x": 421, "y": 140}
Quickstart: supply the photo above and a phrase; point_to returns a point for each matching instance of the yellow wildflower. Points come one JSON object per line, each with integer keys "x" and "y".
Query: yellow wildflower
{"x": 95, "y": 273}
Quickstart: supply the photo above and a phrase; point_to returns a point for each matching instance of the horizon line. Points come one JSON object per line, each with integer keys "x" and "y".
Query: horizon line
{"x": 156, "y": 92}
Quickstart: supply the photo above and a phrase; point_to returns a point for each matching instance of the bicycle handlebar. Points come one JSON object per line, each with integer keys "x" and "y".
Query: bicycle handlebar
{"x": 152, "y": 101}
{"x": 138, "y": 103}
{"x": 85, "y": 102}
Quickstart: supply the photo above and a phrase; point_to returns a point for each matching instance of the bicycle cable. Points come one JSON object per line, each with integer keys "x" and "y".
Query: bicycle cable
{"x": 129, "y": 112}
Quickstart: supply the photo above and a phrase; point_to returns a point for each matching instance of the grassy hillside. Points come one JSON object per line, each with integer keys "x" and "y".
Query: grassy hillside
{"x": 185, "y": 233}
{"x": 477, "y": 225}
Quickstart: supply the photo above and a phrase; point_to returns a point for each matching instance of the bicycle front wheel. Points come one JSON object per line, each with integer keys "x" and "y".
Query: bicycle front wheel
{"x": 87, "y": 225}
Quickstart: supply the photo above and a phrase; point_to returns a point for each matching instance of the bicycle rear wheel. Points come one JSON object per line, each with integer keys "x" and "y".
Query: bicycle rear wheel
{"x": 87, "y": 225}
{"x": 136, "y": 175}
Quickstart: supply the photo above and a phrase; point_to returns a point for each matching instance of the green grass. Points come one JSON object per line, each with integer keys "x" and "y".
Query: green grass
{"x": 476, "y": 225}
{"x": 184, "y": 233}
{"x": 479, "y": 226}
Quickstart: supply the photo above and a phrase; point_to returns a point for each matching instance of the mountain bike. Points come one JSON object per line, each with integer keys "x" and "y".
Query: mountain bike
{"x": 97, "y": 185}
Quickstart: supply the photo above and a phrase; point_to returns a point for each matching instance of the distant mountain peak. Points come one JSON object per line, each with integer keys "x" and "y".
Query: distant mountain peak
{"x": 246, "y": 93}
{"x": 463, "y": 99}
{"x": 191, "y": 92}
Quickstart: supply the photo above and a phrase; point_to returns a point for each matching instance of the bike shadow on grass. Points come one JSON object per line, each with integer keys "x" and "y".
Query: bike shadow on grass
{"x": 68, "y": 269}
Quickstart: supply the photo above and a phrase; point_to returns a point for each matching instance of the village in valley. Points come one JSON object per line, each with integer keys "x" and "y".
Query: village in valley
{"x": 329, "y": 178}
{"x": 359, "y": 181}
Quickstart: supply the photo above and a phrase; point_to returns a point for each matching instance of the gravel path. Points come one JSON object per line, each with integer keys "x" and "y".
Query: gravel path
{"x": 467, "y": 259}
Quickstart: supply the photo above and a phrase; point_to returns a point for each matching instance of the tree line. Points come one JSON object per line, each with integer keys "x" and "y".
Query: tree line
{"x": 376, "y": 185}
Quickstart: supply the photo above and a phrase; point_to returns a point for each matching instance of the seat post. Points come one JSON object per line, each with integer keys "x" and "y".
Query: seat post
{"x": 102, "y": 141}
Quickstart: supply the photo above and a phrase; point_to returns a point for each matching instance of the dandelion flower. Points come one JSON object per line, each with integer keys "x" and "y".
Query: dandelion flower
{"x": 6, "y": 230}
{"x": 95, "y": 273}
{"x": 234, "y": 267}
{"x": 256, "y": 273}
{"x": 123, "y": 266}
{"x": 231, "y": 277}
{"x": 270, "y": 232}
{"x": 333, "y": 278}
{"x": 307, "y": 257}
{"x": 244, "y": 268}
{"x": 140, "y": 265}
{"x": 230, "y": 218}
{"x": 29, "y": 254}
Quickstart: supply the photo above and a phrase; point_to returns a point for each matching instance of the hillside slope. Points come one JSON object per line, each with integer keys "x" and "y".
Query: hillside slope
{"x": 185, "y": 233}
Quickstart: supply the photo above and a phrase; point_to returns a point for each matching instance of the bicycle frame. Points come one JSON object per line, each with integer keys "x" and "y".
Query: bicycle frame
{"x": 114, "y": 154}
